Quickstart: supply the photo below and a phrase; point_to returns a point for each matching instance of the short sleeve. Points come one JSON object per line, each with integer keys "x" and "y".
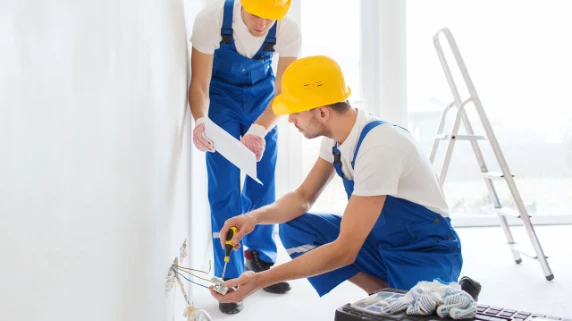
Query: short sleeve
{"x": 289, "y": 39}
{"x": 206, "y": 32}
{"x": 378, "y": 169}
{"x": 326, "y": 150}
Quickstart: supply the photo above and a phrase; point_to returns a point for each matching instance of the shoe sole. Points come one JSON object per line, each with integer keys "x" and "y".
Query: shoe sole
{"x": 231, "y": 311}
{"x": 276, "y": 292}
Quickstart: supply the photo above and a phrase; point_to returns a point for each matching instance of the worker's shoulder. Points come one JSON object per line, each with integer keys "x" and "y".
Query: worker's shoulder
{"x": 288, "y": 26}
{"x": 388, "y": 135}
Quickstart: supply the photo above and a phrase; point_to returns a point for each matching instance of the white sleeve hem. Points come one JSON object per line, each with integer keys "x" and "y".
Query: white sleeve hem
{"x": 379, "y": 192}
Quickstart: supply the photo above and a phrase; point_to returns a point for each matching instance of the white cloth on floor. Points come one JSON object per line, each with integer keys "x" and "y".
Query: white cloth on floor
{"x": 426, "y": 298}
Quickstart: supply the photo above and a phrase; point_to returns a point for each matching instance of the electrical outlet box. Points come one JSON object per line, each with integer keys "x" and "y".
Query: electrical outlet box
{"x": 219, "y": 285}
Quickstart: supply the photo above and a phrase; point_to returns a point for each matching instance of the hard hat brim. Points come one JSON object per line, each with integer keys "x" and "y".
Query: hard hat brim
{"x": 282, "y": 105}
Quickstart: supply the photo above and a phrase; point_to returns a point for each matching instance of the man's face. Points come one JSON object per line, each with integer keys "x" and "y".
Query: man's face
{"x": 256, "y": 25}
{"x": 309, "y": 124}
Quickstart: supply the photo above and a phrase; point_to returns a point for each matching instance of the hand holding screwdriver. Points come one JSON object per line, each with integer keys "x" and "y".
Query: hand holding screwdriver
{"x": 243, "y": 224}
{"x": 229, "y": 246}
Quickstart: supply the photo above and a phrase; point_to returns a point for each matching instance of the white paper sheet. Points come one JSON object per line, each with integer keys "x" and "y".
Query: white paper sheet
{"x": 232, "y": 149}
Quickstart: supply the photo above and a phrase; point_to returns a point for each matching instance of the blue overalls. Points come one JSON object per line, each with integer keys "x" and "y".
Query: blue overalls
{"x": 240, "y": 90}
{"x": 408, "y": 243}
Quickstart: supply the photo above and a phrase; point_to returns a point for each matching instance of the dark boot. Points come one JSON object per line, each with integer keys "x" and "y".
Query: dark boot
{"x": 255, "y": 264}
{"x": 470, "y": 286}
{"x": 230, "y": 308}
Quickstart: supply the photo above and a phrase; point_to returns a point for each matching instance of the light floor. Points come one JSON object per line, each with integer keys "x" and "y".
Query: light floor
{"x": 486, "y": 259}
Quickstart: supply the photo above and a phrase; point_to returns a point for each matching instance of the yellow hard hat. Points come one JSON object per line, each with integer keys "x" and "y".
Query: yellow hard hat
{"x": 267, "y": 9}
{"x": 309, "y": 83}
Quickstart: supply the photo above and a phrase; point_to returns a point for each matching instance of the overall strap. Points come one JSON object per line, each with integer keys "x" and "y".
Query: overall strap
{"x": 366, "y": 130}
{"x": 270, "y": 40}
{"x": 226, "y": 31}
{"x": 267, "y": 47}
{"x": 337, "y": 160}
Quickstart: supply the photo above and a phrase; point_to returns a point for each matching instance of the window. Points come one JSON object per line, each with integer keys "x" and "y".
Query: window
{"x": 335, "y": 34}
{"x": 518, "y": 55}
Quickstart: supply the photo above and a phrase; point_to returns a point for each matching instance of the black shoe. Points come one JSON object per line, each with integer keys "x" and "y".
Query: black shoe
{"x": 230, "y": 308}
{"x": 470, "y": 286}
{"x": 255, "y": 264}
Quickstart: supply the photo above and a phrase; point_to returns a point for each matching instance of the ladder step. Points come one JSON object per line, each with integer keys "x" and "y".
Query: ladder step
{"x": 460, "y": 137}
{"x": 494, "y": 175}
{"x": 506, "y": 211}
{"x": 519, "y": 248}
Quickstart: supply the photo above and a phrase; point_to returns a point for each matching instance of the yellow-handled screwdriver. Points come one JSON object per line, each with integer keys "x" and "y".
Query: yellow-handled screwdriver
{"x": 228, "y": 246}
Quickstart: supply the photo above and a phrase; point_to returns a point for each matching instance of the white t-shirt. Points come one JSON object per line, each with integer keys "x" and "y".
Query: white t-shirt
{"x": 389, "y": 162}
{"x": 206, "y": 35}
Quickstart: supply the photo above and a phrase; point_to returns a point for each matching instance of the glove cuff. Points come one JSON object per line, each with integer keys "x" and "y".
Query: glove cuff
{"x": 200, "y": 121}
{"x": 257, "y": 130}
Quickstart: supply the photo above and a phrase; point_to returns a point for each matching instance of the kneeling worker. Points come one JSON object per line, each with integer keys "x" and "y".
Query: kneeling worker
{"x": 395, "y": 230}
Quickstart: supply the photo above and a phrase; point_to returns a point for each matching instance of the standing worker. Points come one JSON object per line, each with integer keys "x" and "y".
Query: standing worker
{"x": 233, "y": 84}
{"x": 395, "y": 230}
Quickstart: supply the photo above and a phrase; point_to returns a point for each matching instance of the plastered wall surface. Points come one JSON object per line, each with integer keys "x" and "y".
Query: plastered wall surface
{"x": 95, "y": 158}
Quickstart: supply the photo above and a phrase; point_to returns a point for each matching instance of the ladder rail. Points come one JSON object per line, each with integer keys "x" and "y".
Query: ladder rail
{"x": 461, "y": 115}
{"x": 439, "y": 132}
{"x": 462, "y": 112}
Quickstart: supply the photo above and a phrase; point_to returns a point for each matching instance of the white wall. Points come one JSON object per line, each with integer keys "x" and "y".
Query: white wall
{"x": 95, "y": 158}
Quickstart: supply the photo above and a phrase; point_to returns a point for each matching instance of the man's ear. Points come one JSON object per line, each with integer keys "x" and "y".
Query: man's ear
{"x": 323, "y": 114}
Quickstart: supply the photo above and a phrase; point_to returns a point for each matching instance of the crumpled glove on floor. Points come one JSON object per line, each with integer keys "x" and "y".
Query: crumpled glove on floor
{"x": 194, "y": 314}
{"x": 426, "y": 298}
{"x": 254, "y": 140}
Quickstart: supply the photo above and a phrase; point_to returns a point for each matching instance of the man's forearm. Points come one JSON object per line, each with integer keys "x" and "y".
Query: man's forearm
{"x": 321, "y": 260}
{"x": 268, "y": 119}
{"x": 199, "y": 101}
{"x": 287, "y": 208}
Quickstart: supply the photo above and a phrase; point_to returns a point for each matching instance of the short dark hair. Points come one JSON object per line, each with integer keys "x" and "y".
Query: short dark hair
{"x": 341, "y": 107}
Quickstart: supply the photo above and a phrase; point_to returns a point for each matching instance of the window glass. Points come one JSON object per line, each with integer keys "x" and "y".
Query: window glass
{"x": 518, "y": 55}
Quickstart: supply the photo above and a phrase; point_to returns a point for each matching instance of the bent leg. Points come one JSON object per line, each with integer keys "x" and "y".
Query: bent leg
{"x": 310, "y": 231}
{"x": 368, "y": 283}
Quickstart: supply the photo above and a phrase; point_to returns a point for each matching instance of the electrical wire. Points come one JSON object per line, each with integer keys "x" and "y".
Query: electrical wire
{"x": 184, "y": 277}
{"x": 198, "y": 277}
{"x": 186, "y": 268}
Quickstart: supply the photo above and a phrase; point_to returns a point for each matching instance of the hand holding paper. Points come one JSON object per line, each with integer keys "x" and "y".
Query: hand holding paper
{"x": 232, "y": 149}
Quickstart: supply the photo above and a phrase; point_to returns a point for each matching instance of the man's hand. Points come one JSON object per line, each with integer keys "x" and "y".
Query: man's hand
{"x": 240, "y": 288}
{"x": 202, "y": 142}
{"x": 244, "y": 225}
{"x": 254, "y": 140}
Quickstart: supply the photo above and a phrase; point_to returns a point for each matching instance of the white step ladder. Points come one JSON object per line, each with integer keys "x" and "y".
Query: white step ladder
{"x": 453, "y": 136}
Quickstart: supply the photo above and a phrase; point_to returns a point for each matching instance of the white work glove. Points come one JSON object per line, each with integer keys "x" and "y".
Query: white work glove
{"x": 254, "y": 140}
{"x": 425, "y": 301}
{"x": 422, "y": 299}
{"x": 202, "y": 142}
{"x": 457, "y": 304}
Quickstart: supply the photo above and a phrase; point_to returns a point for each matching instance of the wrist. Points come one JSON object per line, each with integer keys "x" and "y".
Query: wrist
{"x": 264, "y": 279}
{"x": 200, "y": 120}
{"x": 251, "y": 216}
{"x": 257, "y": 130}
